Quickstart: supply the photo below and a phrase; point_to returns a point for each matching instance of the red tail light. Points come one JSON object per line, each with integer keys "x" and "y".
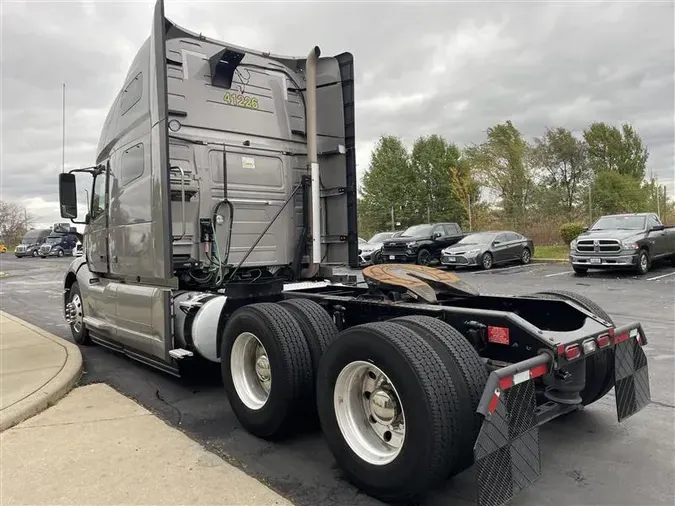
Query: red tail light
{"x": 572, "y": 352}
{"x": 603, "y": 341}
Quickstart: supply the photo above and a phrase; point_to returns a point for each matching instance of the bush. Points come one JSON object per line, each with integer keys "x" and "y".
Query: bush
{"x": 570, "y": 231}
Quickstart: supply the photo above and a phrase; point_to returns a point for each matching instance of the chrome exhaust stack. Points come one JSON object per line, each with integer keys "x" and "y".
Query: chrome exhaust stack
{"x": 312, "y": 157}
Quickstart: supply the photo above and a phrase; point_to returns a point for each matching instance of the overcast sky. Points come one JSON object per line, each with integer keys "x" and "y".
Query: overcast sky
{"x": 446, "y": 67}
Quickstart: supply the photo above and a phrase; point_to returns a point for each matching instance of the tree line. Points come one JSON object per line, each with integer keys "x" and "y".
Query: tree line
{"x": 509, "y": 182}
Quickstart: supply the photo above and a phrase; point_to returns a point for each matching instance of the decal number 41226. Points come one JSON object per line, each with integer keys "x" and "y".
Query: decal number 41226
{"x": 241, "y": 100}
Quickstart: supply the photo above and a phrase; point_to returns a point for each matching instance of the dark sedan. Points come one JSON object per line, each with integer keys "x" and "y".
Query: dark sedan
{"x": 485, "y": 249}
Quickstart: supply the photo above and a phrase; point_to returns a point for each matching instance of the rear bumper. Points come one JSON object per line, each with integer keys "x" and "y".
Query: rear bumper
{"x": 600, "y": 261}
{"x": 506, "y": 452}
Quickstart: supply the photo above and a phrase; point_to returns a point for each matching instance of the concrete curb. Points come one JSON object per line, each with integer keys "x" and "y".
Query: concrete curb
{"x": 550, "y": 260}
{"x": 51, "y": 391}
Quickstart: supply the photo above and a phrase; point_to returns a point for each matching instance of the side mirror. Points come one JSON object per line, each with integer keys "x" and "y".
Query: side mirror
{"x": 656, "y": 228}
{"x": 495, "y": 242}
{"x": 437, "y": 235}
{"x": 68, "y": 195}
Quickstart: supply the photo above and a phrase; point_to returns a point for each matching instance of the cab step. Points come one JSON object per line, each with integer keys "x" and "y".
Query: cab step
{"x": 180, "y": 353}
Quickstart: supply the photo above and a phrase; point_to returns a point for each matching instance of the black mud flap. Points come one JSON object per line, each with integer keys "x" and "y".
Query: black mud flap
{"x": 631, "y": 376}
{"x": 506, "y": 453}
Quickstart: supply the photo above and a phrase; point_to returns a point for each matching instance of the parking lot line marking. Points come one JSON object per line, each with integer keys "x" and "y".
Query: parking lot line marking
{"x": 559, "y": 274}
{"x": 662, "y": 276}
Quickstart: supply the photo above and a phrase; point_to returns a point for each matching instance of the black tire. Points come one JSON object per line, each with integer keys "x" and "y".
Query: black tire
{"x": 643, "y": 262}
{"x": 423, "y": 257}
{"x": 35, "y": 253}
{"x": 600, "y": 366}
{"x": 290, "y": 365}
{"x": 316, "y": 324}
{"x": 60, "y": 253}
{"x": 376, "y": 258}
{"x": 486, "y": 261}
{"x": 468, "y": 372}
{"x": 430, "y": 406}
{"x": 526, "y": 256}
{"x": 580, "y": 271}
{"x": 80, "y": 337}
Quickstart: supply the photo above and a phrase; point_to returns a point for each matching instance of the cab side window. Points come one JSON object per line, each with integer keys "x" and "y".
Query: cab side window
{"x": 133, "y": 160}
{"x": 438, "y": 231}
{"x": 98, "y": 200}
{"x": 653, "y": 221}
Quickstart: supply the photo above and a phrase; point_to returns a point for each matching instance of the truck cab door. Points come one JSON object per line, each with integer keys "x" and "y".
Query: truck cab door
{"x": 657, "y": 238}
{"x": 97, "y": 241}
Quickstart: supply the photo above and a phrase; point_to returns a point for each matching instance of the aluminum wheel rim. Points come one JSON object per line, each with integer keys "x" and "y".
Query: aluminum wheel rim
{"x": 526, "y": 255}
{"x": 643, "y": 262}
{"x": 369, "y": 413}
{"x": 77, "y": 310}
{"x": 250, "y": 370}
{"x": 487, "y": 261}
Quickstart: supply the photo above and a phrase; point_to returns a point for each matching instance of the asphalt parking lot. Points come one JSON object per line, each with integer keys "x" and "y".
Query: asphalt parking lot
{"x": 587, "y": 457}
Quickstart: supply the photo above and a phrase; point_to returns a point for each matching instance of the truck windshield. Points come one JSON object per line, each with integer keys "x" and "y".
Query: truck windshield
{"x": 417, "y": 231}
{"x": 620, "y": 223}
{"x": 53, "y": 240}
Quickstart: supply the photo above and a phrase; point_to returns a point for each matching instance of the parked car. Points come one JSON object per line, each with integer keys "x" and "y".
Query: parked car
{"x": 78, "y": 249}
{"x": 421, "y": 243}
{"x": 370, "y": 251}
{"x": 623, "y": 240}
{"x": 486, "y": 249}
{"x": 3, "y": 248}
{"x": 30, "y": 244}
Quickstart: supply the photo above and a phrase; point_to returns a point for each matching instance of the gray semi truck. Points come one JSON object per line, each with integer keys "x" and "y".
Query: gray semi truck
{"x": 224, "y": 196}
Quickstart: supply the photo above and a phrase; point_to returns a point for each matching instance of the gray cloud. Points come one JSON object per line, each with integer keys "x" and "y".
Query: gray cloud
{"x": 452, "y": 68}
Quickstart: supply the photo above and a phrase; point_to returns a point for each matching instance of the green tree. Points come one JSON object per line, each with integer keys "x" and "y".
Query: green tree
{"x": 433, "y": 159}
{"x": 503, "y": 163}
{"x": 614, "y": 149}
{"x": 389, "y": 184}
{"x": 614, "y": 192}
{"x": 563, "y": 162}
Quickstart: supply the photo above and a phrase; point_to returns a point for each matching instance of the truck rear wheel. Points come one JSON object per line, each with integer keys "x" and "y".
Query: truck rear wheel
{"x": 389, "y": 410}
{"x": 468, "y": 372}
{"x": 266, "y": 367}
{"x": 316, "y": 324}
{"x": 600, "y": 366}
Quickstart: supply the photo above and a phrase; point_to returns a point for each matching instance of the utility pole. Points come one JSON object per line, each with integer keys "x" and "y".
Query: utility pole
{"x": 590, "y": 206}
{"x": 393, "y": 223}
{"x": 63, "y": 131}
{"x": 470, "y": 225}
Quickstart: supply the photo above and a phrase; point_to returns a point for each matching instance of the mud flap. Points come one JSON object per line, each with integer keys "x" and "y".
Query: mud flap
{"x": 506, "y": 453}
{"x": 631, "y": 377}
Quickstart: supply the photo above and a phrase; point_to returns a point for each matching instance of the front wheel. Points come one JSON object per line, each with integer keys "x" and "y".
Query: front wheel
{"x": 60, "y": 253}
{"x": 580, "y": 271}
{"x": 423, "y": 257}
{"x": 35, "y": 253}
{"x": 643, "y": 262}
{"x": 75, "y": 314}
{"x": 376, "y": 258}
{"x": 486, "y": 261}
